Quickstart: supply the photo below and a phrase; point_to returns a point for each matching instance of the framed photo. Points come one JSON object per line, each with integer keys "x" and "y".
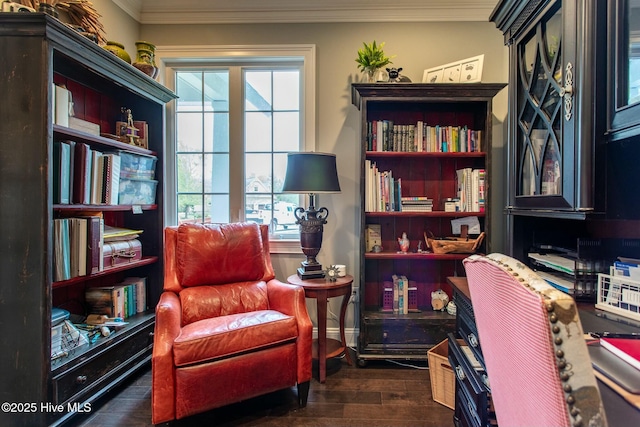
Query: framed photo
{"x": 433, "y": 75}
{"x": 468, "y": 70}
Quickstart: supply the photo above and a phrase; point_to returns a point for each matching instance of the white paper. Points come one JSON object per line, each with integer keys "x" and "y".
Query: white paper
{"x": 471, "y": 221}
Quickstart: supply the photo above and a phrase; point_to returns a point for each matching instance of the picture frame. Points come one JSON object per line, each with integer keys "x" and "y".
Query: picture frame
{"x": 468, "y": 70}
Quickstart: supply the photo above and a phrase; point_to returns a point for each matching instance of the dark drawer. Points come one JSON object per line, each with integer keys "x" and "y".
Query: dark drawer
{"x": 468, "y": 332}
{"x": 101, "y": 366}
{"x": 466, "y": 411}
{"x": 407, "y": 331}
{"x": 469, "y": 381}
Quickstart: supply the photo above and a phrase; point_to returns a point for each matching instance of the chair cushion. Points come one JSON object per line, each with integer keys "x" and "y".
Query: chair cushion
{"x": 227, "y": 336}
{"x": 203, "y": 302}
{"x": 212, "y": 254}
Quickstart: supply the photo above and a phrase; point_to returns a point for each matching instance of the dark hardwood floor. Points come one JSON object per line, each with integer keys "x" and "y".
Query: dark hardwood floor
{"x": 381, "y": 394}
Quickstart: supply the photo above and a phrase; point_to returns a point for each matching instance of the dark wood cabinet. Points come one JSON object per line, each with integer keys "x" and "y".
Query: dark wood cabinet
{"x": 624, "y": 68}
{"x": 554, "y": 120}
{"x": 422, "y": 172}
{"x": 38, "y": 52}
{"x": 592, "y": 130}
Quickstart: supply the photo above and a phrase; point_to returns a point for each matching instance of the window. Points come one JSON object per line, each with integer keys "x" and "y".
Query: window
{"x": 239, "y": 112}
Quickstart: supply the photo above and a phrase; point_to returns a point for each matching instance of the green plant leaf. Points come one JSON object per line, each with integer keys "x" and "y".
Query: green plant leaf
{"x": 371, "y": 56}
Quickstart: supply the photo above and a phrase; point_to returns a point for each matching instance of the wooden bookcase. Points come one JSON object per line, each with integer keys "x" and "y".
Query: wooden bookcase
{"x": 386, "y": 334}
{"x": 38, "y": 51}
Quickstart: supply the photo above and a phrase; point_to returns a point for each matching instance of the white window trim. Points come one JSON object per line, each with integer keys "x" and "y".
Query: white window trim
{"x": 169, "y": 56}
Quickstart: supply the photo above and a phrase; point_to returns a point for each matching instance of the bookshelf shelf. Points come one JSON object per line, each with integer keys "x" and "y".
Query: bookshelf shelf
{"x": 392, "y": 154}
{"x": 107, "y": 271}
{"x": 414, "y": 256}
{"x": 418, "y": 174}
{"x": 101, "y": 141}
{"x": 435, "y": 214}
{"x": 102, "y": 208}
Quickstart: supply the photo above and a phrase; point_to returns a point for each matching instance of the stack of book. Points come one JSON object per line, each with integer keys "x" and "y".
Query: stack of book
{"x": 416, "y": 204}
{"x": 400, "y": 296}
{"x": 121, "y": 300}
{"x": 471, "y": 189}
{"x": 77, "y": 246}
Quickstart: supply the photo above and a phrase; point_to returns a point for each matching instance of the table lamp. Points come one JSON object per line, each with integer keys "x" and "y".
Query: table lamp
{"x": 311, "y": 173}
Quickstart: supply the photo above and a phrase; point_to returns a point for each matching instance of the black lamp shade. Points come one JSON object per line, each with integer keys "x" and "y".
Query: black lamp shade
{"x": 311, "y": 173}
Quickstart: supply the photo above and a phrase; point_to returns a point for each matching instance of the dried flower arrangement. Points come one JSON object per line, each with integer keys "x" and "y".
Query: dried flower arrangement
{"x": 81, "y": 13}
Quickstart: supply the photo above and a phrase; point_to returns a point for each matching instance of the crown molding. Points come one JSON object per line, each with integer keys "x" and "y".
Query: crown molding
{"x": 295, "y": 11}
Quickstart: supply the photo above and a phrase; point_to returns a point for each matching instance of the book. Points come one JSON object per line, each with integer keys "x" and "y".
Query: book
{"x": 111, "y": 178}
{"x": 62, "y": 173}
{"x": 62, "y": 99}
{"x": 108, "y": 300}
{"x": 82, "y": 174}
{"x": 96, "y": 177}
{"x": 627, "y": 349}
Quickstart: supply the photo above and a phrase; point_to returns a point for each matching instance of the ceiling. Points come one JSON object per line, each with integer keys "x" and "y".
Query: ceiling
{"x": 304, "y": 11}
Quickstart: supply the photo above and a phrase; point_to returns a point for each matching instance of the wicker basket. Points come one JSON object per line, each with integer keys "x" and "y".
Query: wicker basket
{"x": 453, "y": 245}
{"x": 443, "y": 382}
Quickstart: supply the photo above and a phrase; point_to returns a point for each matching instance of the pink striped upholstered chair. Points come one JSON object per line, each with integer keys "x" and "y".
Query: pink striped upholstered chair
{"x": 533, "y": 346}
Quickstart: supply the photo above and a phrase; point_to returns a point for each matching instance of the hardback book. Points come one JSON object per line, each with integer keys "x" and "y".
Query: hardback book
{"x": 94, "y": 243}
{"x": 82, "y": 174}
{"x": 62, "y": 173}
{"x": 627, "y": 349}
{"x": 96, "y": 177}
{"x": 111, "y": 178}
{"x": 108, "y": 300}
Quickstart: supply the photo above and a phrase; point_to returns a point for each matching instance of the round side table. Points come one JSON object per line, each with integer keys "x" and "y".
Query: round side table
{"x": 322, "y": 289}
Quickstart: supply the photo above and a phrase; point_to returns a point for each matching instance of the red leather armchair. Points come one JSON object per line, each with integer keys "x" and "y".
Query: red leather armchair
{"x": 226, "y": 329}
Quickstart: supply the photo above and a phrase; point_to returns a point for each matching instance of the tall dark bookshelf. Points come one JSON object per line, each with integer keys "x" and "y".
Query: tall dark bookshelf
{"x": 384, "y": 334}
{"x": 38, "y": 51}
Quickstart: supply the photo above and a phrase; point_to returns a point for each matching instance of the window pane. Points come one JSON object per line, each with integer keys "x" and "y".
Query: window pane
{"x": 216, "y": 172}
{"x": 189, "y": 132}
{"x": 216, "y": 208}
{"x": 258, "y": 173}
{"x": 187, "y": 204}
{"x": 286, "y": 90}
{"x": 279, "y": 172}
{"x": 257, "y": 90}
{"x": 257, "y": 131}
{"x": 189, "y": 173}
{"x": 216, "y": 132}
{"x": 189, "y": 86}
{"x": 286, "y": 131}
{"x": 216, "y": 90}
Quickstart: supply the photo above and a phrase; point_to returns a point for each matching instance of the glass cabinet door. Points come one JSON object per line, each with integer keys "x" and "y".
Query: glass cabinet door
{"x": 624, "y": 51}
{"x": 543, "y": 146}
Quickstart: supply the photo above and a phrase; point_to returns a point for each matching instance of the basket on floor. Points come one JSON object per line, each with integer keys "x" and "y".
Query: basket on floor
{"x": 443, "y": 383}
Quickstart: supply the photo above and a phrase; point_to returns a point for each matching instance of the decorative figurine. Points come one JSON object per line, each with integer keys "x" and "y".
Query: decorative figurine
{"x": 332, "y": 273}
{"x": 131, "y": 132}
{"x": 394, "y": 76}
{"x": 404, "y": 243}
{"x": 439, "y": 300}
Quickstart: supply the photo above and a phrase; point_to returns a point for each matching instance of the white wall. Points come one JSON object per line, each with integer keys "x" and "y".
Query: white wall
{"x": 416, "y": 46}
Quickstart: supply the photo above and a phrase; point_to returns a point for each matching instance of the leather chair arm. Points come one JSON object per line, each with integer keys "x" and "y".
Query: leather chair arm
{"x": 167, "y": 328}
{"x": 289, "y": 299}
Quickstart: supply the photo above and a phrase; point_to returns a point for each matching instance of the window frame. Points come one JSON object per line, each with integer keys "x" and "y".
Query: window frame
{"x": 169, "y": 58}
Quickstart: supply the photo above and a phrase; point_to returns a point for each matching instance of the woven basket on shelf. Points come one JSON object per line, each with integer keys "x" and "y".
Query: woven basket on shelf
{"x": 453, "y": 245}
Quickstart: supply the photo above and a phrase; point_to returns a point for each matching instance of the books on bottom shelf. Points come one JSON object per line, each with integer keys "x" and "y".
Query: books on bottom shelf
{"x": 627, "y": 349}
{"x": 399, "y": 296}
{"x": 120, "y": 300}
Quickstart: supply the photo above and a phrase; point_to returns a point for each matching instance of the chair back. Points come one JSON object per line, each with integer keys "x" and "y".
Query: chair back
{"x": 217, "y": 269}
{"x": 533, "y": 347}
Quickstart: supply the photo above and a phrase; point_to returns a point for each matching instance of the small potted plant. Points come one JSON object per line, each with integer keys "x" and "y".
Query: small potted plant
{"x": 371, "y": 58}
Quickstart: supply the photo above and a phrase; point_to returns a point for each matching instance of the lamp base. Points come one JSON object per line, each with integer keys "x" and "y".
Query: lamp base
{"x": 310, "y": 271}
